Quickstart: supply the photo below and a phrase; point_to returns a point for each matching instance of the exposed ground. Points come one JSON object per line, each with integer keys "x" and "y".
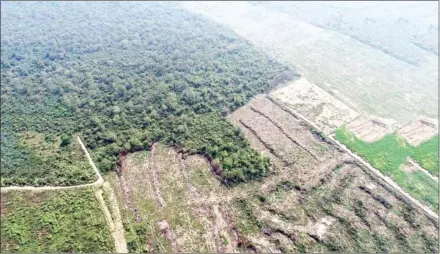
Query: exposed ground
{"x": 418, "y": 131}
{"x": 316, "y": 198}
{"x": 340, "y": 206}
{"x": 368, "y": 130}
{"x": 316, "y": 104}
{"x": 177, "y": 203}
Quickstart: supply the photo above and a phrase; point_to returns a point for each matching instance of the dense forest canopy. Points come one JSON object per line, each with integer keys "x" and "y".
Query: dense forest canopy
{"x": 123, "y": 75}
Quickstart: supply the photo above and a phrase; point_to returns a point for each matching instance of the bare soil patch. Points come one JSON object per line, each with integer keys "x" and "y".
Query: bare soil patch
{"x": 315, "y": 199}
{"x": 316, "y": 104}
{"x": 408, "y": 167}
{"x": 369, "y": 130}
{"x": 418, "y": 131}
{"x": 323, "y": 205}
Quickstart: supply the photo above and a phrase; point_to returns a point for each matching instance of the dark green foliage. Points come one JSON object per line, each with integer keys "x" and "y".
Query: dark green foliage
{"x": 62, "y": 221}
{"x": 126, "y": 74}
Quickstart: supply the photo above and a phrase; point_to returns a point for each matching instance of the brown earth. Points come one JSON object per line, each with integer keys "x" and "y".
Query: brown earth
{"x": 418, "y": 131}
{"x": 332, "y": 204}
{"x": 317, "y": 104}
{"x": 368, "y": 130}
{"x": 316, "y": 198}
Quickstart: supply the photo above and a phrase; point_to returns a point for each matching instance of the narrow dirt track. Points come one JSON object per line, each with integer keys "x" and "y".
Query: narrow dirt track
{"x": 98, "y": 182}
{"x": 389, "y": 181}
{"x": 115, "y": 221}
{"x": 116, "y": 227}
{"x": 415, "y": 164}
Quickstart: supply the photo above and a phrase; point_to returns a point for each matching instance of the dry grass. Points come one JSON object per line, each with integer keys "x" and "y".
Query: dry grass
{"x": 316, "y": 104}
{"x": 368, "y": 130}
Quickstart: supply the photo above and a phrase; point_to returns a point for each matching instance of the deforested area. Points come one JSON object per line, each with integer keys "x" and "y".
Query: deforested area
{"x": 165, "y": 127}
{"x": 323, "y": 204}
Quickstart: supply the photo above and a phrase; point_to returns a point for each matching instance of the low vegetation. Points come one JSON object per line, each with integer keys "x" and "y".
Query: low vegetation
{"x": 426, "y": 154}
{"x": 61, "y": 221}
{"x": 392, "y": 151}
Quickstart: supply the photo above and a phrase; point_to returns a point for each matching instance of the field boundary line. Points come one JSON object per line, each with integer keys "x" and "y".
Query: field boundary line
{"x": 98, "y": 182}
{"x": 415, "y": 164}
{"x": 389, "y": 181}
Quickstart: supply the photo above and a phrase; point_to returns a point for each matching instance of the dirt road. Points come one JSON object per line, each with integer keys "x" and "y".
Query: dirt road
{"x": 98, "y": 182}
{"x": 114, "y": 222}
{"x": 415, "y": 164}
{"x": 389, "y": 181}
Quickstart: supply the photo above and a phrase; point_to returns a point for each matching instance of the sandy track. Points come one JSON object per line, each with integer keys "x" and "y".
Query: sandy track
{"x": 98, "y": 182}
{"x": 116, "y": 228}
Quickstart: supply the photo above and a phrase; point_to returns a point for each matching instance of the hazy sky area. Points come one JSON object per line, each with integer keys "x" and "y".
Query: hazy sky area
{"x": 381, "y": 57}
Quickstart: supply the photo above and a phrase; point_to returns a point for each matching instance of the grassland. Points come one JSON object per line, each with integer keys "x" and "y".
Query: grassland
{"x": 392, "y": 151}
{"x": 49, "y": 221}
{"x": 426, "y": 154}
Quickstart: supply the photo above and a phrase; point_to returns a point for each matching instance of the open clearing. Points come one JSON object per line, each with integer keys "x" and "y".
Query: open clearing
{"x": 339, "y": 207}
{"x": 373, "y": 81}
{"x": 418, "y": 131}
{"x": 316, "y": 198}
{"x": 368, "y": 130}
{"x": 327, "y": 112}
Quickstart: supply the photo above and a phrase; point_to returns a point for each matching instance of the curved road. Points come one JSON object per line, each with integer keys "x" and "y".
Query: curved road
{"x": 116, "y": 227}
{"x": 98, "y": 182}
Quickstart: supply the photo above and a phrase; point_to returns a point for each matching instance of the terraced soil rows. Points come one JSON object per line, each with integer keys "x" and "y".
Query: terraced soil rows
{"x": 316, "y": 198}
{"x": 195, "y": 217}
{"x": 329, "y": 205}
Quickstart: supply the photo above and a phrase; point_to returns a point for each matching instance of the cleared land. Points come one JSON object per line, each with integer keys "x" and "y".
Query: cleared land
{"x": 172, "y": 204}
{"x": 53, "y": 221}
{"x": 316, "y": 198}
{"x": 368, "y": 130}
{"x": 342, "y": 207}
{"x": 388, "y": 155}
{"x": 418, "y": 131}
{"x": 313, "y": 102}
